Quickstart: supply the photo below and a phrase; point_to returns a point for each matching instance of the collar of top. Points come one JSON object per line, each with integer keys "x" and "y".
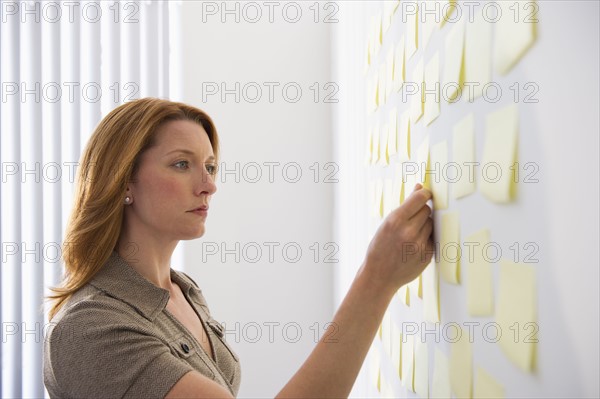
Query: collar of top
{"x": 119, "y": 280}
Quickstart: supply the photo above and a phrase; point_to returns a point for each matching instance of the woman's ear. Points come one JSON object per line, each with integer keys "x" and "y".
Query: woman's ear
{"x": 128, "y": 197}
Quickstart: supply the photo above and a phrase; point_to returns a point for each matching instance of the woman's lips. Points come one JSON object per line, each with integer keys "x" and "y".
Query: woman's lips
{"x": 202, "y": 211}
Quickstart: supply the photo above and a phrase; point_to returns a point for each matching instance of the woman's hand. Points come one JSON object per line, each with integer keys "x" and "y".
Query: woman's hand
{"x": 402, "y": 246}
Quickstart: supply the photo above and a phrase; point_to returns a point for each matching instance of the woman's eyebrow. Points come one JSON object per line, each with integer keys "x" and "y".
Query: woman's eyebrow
{"x": 186, "y": 151}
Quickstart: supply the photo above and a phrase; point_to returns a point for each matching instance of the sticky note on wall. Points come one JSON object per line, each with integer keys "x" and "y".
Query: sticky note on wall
{"x": 411, "y": 14}
{"x": 379, "y": 197}
{"x": 480, "y": 295}
{"x": 376, "y": 139}
{"x": 396, "y": 337}
{"x": 424, "y": 176}
{"x": 449, "y": 255}
{"x": 514, "y": 36}
{"x": 385, "y": 136}
{"x": 463, "y": 154}
{"x": 486, "y": 386}
{"x": 428, "y": 21}
{"x": 431, "y": 93}
{"x": 439, "y": 183}
{"x": 415, "y": 287}
{"x": 369, "y": 147}
{"x": 381, "y": 90}
{"x": 516, "y": 313}
{"x": 408, "y": 361}
{"x": 388, "y": 199}
{"x": 403, "y": 143}
{"x": 399, "y": 65}
{"x": 398, "y": 188}
{"x": 440, "y": 386}
{"x": 416, "y": 102}
{"x": 421, "y": 377}
{"x": 478, "y": 55}
{"x": 404, "y": 295}
{"x": 454, "y": 62}
{"x": 389, "y": 65}
{"x": 393, "y": 131}
{"x": 500, "y": 154}
{"x": 461, "y": 365}
{"x": 431, "y": 293}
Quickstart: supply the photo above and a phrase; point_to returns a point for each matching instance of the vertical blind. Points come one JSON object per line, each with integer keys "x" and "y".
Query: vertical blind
{"x": 63, "y": 66}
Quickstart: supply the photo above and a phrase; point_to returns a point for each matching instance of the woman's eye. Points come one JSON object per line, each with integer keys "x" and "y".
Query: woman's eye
{"x": 211, "y": 168}
{"x": 181, "y": 164}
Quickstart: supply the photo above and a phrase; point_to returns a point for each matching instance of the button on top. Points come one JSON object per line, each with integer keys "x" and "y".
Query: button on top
{"x": 185, "y": 347}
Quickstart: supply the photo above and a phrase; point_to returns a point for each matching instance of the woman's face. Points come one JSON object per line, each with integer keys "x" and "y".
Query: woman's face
{"x": 175, "y": 180}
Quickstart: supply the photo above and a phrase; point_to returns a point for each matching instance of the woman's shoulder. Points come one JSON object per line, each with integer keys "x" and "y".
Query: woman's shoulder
{"x": 89, "y": 306}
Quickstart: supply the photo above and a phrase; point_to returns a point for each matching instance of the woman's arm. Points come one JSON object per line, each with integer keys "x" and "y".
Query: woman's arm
{"x": 398, "y": 253}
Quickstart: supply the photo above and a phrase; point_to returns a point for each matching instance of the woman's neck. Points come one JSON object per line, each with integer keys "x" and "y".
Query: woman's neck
{"x": 150, "y": 256}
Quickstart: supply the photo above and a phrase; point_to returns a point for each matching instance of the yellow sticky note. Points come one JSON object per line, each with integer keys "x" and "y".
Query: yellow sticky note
{"x": 373, "y": 83}
{"x": 389, "y": 65}
{"x": 514, "y": 36}
{"x": 478, "y": 56}
{"x": 381, "y": 91}
{"x": 516, "y": 313}
{"x": 408, "y": 361}
{"x": 416, "y": 287}
{"x": 403, "y": 143}
{"x": 385, "y": 137}
{"x": 379, "y": 197}
{"x": 386, "y": 333}
{"x": 376, "y": 91}
{"x": 411, "y": 13}
{"x": 416, "y": 106}
{"x": 404, "y": 295}
{"x": 461, "y": 365}
{"x": 500, "y": 154}
{"x": 371, "y": 198}
{"x": 373, "y": 366}
{"x": 388, "y": 199}
{"x": 454, "y": 63}
{"x": 431, "y": 93}
{"x": 387, "y": 391}
{"x": 398, "y": 189}
{"x": 440, "y": 387}
{"x": 428, "y": 16}
{"x": 449, "y": 255}
{"x": 393, "y": 131}
{"x": 396, "y": 338}
{"x": 486, "y": 386}
{"x": 421, "y": 377}
{"x": 376, "y": 138}
{"x": 463, "y": 154}
{"x": 386, "y": 16}
{"x": 369, "y": 147}
{"x": 439, "y": 182}
{"x": 480, "y": 295}
{"x": 399, "y": 65}
{"x": 379, "y": 31}
{"x": 423, "y": 161}
{"x": 431, "y": 293}
{"x": 376, "y": 35}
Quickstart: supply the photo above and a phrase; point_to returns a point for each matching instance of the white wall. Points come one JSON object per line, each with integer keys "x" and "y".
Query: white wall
{"x": 560, "y": 213}
{"x": 280, "y": 212}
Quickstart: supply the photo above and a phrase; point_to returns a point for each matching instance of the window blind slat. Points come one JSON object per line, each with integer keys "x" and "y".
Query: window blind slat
{"x": 52, "y": 161}
{"x": 91, "y": 89}
{"x": 11, "y": 212}
{"x": 32, "y": 277}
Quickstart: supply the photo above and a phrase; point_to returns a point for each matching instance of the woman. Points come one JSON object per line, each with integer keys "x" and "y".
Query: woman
{"x": 124, "y": 324}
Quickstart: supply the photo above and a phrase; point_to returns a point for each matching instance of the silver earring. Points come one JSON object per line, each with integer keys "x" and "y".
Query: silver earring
{"x": 128, "y": 200}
